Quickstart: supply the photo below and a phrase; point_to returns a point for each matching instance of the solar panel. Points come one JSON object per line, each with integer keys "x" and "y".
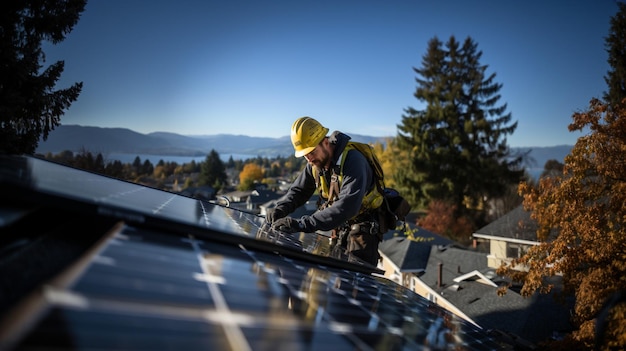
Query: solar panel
{"x": 177, "y": 273}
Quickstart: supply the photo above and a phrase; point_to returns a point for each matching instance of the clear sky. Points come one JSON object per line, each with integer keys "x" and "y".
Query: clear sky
{"x": 253, "y": 67}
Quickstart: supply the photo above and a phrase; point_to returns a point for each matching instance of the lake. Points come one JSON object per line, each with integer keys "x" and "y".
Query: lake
{"x": 154, "y": 159}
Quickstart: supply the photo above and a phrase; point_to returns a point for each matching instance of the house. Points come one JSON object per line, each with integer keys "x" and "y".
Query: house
{"x": 308, "y": 208}
{"x": 204, "y": 192}
{"x": 250, "y": 200}
{"x": 462, "y": 277}
{"x": 258, "y": 197}
{"x": 508, "y": 237}
{"x": 464, "y": 282}
{"x": 404, "y": 259}
{"x": 238, "y": 196}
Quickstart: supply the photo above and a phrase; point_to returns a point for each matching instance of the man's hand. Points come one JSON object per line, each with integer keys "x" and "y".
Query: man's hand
{"x": 275, "y": 214}
{"x": 287, "y": 225}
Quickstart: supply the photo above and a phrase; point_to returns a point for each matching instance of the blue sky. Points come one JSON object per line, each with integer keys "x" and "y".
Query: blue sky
{"x": 253, "y": 67}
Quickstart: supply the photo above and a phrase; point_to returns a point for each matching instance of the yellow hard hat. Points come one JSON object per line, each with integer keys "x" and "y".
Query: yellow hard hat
{"x": 306, "y": 134}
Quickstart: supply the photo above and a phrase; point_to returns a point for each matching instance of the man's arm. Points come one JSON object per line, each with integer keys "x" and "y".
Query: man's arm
{"x": 299, "y": 192}
{"x": 357, "y": 178}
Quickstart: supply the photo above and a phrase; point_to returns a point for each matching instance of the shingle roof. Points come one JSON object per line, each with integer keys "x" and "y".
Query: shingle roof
{"x": 481, "y": 302}
{"x": 516, "y": 224}
{"x": 411, "y": 255}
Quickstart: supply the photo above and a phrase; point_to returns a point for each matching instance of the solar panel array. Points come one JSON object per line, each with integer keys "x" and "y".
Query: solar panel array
{"x": 179, "y": 273}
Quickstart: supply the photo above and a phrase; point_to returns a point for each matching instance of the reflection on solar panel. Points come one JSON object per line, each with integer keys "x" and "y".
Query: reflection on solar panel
{"x": 170, "y": 272}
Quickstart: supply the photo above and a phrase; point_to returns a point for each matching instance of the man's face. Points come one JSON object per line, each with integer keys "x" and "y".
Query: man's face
{"x": 320, "y": 156}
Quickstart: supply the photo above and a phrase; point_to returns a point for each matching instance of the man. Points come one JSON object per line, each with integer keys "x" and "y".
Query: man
{"x": 346, "y": 185}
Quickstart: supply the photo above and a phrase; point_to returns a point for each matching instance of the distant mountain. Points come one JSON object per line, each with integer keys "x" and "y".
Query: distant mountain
{"x": 538, "y": 156}
{"x": 125, "y": 141}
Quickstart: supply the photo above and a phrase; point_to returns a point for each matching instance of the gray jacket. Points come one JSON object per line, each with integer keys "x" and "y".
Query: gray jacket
{"x": 358, "y": 179}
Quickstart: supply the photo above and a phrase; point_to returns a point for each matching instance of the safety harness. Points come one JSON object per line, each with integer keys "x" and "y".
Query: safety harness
{"x": 329, "y": 192}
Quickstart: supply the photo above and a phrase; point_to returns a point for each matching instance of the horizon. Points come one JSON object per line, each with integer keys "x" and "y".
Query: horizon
{"x": 268, "y": 137}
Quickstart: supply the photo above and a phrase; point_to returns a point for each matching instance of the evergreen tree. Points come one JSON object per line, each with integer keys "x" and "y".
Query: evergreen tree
{"x": 146, "y": 168}
{"x": 115, "y": 169}
{"x": 137, "y": 164}
{"x": 231, "y": 162}
{"x": 29, "y": 106}
{"x": 212, "y": 171}
{"x": 457, "y": 145}
{"x": 616, "y": 47}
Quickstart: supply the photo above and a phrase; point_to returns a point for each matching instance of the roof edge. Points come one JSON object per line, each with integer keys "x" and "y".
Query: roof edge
{"x": 503, "y": 238}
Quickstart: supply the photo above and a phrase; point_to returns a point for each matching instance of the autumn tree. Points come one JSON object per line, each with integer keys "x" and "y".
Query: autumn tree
{"x": 441, "y": 219}
{"x": 457, "y": 148}
{"x": 213, "y": 172}
{"x": 391, "y": 159}
{"x": 30, "y": 107}
{"x": 251, "y": 174}
{"x": 585, "y": 208}
{"x": 552, "y": 168}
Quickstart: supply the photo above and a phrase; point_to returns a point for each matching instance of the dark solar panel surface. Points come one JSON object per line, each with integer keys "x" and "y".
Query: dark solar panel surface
{"x": 145, "y": 288}
{"x": 93, "y": 193}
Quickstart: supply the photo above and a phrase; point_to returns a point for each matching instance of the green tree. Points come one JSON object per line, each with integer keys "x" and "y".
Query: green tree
{"x": 231, "y": 162}
{"x": 457, "y": 148}
{"x": 115, "y": 169}
{"x": 616, "y": 48}
{"x": 146, "y": 168}
{"x": 136, "y": 165}
{"x": 212, "y": 171}
{"x": 191, "y": 167}
{"x": 29, "y": 106}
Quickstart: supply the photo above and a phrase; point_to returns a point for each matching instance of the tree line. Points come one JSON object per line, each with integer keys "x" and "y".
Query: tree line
{"x": 450, "y": 159}
{"x": 212, "y": 172}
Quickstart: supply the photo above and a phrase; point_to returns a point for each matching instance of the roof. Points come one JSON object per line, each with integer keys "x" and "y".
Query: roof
{"x": 463, "y": 284}
{"x": 411, "y": 255}
{"x": 122, "y": 266}
{"x": 516, "y": 224}
{"x": 263, "y": 195}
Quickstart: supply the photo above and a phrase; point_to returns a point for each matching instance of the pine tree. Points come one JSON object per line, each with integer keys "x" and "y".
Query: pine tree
{"x": 213, "y": 171}
{"x": 29, "y": 106}
{"x": 457, "y": 145}
{"x": 616, "y": 47}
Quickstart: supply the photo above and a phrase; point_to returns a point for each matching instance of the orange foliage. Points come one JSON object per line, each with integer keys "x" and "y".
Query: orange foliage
{"x": 441, "y": 219}
{"x": 251, "y": 172}
{"x": 582, "y": 221}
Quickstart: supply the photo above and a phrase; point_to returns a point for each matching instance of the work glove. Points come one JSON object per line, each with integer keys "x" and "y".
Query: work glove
{"x": 287, "y": 225}
{"x": 276, "y": 213}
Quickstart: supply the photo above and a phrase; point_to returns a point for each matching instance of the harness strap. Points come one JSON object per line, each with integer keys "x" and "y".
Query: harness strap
{"x": 333, "y": 191}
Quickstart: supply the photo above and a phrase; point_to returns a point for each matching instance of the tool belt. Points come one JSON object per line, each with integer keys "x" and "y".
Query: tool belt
{"x": 369, "y": 227}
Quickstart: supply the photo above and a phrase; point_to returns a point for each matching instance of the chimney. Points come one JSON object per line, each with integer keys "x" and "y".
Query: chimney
{"x": 439, "y": 275}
